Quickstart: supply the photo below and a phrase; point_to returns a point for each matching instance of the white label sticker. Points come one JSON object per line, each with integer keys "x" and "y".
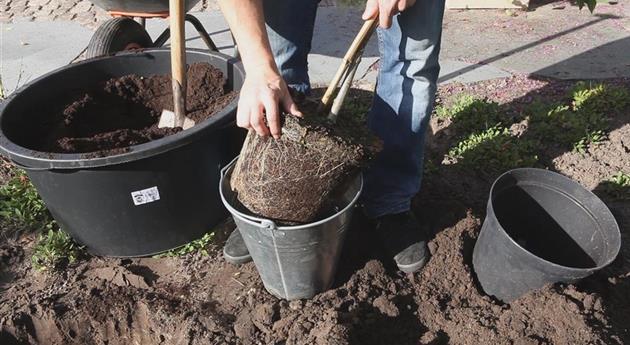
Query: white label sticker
{"x": 145, "y": 196}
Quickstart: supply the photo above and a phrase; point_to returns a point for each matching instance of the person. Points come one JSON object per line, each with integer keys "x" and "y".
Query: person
{"x": 274, "y": 40}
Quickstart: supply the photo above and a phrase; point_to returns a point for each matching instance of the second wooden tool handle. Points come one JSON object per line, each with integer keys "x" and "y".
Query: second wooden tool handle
{"x": 355, "y": 48}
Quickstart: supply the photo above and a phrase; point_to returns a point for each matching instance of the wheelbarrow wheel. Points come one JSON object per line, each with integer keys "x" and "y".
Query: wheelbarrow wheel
{"x": 117, "y": 35}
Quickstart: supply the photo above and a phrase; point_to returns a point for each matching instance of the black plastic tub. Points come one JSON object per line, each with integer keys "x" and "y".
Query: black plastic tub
{"x": 157, "y": 196}
{"x": 541, "y": 228}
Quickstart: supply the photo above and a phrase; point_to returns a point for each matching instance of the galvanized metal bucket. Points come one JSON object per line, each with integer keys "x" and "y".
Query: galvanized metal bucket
{"x": 294, "y": 262}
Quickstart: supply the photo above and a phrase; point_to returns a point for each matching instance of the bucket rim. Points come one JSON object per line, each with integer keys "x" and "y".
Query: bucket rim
{"x": 30, "y": 159}
{"x": 616, "y": 234}
{"x": 268, "y": 223}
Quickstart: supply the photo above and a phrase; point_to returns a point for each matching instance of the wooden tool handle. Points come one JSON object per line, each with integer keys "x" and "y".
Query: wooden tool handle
{"x": 178, "y": 59}
{"x": 355, "y": 48}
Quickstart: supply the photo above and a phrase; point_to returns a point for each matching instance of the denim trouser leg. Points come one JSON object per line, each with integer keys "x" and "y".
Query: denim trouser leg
{"x": 408, "y": 72}
{"x": 404, "y": 96}
{"x": 290, "y": 29}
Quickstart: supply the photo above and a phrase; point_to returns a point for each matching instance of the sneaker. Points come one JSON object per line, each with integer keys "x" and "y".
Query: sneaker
{"x": 234, "y": 250}
{"x": 404, "y": 239}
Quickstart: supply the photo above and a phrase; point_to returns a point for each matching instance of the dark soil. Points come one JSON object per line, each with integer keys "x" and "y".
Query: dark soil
{"x": 290, "y": 179}
{"x": 125, "y": 111}
{"x": 199, "y": 299}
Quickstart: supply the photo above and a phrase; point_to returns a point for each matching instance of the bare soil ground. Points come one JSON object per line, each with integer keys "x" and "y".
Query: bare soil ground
{"x": 200, "y": 299}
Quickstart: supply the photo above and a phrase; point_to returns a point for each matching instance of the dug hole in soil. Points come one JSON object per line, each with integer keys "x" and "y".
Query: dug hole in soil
{"x": 125, "y": 111}
{"x": 199, "y": 299}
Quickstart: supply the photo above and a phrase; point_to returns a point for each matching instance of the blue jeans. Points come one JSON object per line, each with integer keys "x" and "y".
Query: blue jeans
{"x": 405, "y": 91}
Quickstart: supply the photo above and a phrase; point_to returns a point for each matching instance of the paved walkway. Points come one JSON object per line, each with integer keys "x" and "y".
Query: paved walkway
{"x": 555, "y": 40}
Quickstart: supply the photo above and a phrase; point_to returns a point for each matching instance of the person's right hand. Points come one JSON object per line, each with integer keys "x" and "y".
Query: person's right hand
{"x": 264, "y": 95}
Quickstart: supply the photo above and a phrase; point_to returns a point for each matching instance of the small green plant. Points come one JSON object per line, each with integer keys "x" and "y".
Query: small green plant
{"x": 493, "y": 149}
{"x": 54, "y": 246}
{"x": 621, "y": 179}
{"x": 470, "y": 114}
{"x": 460, "y": 103}
{"x": 20, "y": 202}
{"x": 588, "y": 3}
{"x": 618, "y": 186}
{"x": 200, "y": 245}
{"x": 584, "y": 122}
{"x": 599, "y": 98}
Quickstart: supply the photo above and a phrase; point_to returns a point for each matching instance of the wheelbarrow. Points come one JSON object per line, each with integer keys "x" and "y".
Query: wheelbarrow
{"x": 126, "y": 31}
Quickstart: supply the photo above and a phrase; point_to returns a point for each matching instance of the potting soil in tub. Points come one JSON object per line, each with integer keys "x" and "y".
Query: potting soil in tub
{"x": 125, "y": 111}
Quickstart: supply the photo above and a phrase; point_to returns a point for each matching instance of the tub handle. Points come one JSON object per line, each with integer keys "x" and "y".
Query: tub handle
{"x": 24, "y": 167}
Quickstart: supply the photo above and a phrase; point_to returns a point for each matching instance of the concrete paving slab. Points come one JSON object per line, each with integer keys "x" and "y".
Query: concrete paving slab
{"x": 463, "y": 72}
{"x": 554, "y": 40}
{"x": 477, "y": 45}
{"x": 30, "y": 49}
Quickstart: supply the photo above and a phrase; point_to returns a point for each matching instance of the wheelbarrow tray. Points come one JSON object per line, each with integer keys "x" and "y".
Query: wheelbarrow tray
{"x": 140, "y": 7}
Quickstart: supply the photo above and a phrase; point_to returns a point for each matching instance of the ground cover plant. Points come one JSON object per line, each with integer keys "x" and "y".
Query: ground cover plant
{"x": 198, "y": 245}
{"x": 54, "y": 247}
{"x": 22, "y": 210}
{"x": 19, "y": 202}
{"x": 196, "y": 298}
{"x": 618, "y": 186}
{"x": 497, "y": 139}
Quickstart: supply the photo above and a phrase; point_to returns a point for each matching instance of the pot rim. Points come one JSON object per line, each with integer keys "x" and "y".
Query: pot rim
{"x": 38, "y": 160}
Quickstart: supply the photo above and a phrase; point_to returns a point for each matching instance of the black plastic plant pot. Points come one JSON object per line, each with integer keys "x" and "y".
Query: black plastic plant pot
{"x": 158, "y": 195}
{"x": 541, "y": 228}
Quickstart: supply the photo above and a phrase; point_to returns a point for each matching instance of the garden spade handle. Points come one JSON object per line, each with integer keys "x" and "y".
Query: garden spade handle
{"x": 351, "y": 55}
{"x": 178, "y": 60}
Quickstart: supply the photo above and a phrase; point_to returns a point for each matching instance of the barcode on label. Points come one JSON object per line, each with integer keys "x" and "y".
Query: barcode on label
{"x": 145, "y": 196}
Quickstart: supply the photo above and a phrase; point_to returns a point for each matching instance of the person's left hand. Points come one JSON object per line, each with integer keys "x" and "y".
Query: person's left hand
{"x": 385, "y": 9}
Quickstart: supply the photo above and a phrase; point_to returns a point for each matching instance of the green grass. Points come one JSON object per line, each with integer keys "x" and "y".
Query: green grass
{"x": 54, "y": 247}
{"x": 198, "y": 245}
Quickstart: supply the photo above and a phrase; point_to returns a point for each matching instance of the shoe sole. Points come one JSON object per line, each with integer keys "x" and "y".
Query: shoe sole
{"x": 413, "y": 267}
{"x": 237, "y": 260}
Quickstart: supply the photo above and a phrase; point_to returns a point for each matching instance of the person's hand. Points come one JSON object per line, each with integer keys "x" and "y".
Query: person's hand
{"x": 385, "y": 9}
{"x": 264, "y": 95}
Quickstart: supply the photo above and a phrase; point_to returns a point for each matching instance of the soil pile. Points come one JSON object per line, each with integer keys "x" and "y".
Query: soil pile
{"x": 202, "y": 300}
{"x": 125, "y": 111}
{"x": 290, "y": 179}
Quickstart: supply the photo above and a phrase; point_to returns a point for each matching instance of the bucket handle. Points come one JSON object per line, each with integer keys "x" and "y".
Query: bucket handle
{"x": 227, "y": 166}
{"x": 261, "y": 222}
